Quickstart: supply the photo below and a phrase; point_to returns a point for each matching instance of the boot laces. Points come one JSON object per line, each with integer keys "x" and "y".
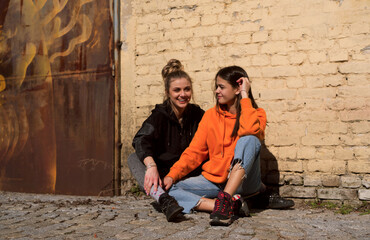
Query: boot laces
{"x": 222, "y": 204}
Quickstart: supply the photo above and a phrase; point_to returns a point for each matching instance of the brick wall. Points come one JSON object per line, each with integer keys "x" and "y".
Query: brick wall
{"x": 309, "y": 64}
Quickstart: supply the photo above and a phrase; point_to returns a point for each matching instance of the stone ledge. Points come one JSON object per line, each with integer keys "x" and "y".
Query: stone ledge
{"x": 337, "y": 193}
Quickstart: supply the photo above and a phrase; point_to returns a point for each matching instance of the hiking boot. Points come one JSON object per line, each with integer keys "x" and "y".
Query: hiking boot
{"x": 237, "y": 203}
{"x": 222, "y": 214}
{"x": 278, "y": 202}
{"x": 271, "y": 200}
{"x": 240, "y": 206}
{"x": 169, "y": 207}
{"x": 243, "y": 209}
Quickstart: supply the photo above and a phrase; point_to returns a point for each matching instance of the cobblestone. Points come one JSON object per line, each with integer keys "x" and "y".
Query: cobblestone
{"x": 35, "y": 216}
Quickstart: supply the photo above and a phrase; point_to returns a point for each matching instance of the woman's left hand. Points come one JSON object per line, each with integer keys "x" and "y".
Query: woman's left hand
{"x": 244, "y": 84}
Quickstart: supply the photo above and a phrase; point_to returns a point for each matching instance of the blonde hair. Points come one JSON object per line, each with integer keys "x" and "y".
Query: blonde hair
{"x": 173, "y": 70}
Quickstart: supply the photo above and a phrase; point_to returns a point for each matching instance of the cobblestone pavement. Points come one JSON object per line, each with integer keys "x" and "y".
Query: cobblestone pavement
{"x": 34, "y": 216}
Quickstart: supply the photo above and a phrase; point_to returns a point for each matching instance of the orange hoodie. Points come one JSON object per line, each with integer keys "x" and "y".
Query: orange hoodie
{"x": 213, "y": 141}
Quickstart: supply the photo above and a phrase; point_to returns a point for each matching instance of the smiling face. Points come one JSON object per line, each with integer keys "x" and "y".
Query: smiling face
{"x": 226, "y": 94}
{"x": 179, "y": 93}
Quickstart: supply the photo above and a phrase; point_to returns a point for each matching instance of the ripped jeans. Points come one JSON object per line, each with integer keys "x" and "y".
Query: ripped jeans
{"x": 189, "y": 191}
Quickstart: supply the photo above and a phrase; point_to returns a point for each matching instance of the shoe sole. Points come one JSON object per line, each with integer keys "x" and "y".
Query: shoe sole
{"x": 219, "y": 222}
{"x": 281, "y": 206}
{"x": 222, "y": 222}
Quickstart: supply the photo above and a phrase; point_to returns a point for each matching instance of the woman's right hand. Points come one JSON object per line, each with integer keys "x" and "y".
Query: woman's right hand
{"x": 152, "y": 178}
{"x": 151, "y": 175}
{"x": 168, "y": 182}
{"x": 244, "y": 86}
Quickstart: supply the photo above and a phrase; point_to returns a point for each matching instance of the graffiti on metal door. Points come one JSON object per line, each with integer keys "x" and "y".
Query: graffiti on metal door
{"x": 56, "y": 96}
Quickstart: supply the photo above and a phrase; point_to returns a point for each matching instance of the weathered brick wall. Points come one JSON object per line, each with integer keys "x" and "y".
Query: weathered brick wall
{"x": 309, "y": 63}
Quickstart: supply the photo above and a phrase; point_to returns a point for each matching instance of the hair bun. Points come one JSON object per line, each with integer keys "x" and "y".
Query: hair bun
{"x": 173, "y": 65}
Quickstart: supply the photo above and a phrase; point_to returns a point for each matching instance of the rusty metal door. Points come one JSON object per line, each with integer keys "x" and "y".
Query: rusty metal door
{"x": 56, "y": 96}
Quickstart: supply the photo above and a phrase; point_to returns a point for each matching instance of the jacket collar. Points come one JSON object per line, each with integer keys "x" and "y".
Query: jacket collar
{"x": 225, "y": 113}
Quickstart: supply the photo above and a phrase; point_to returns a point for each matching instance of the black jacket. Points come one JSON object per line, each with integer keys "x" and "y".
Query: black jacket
{"x": 162, "y": 137}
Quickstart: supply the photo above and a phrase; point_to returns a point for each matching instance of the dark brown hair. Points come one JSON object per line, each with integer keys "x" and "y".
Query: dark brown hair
{"x": 231, "y": 74}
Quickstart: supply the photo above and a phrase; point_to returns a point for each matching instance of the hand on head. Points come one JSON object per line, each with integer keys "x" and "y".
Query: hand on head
{"x": 244, "y": 84}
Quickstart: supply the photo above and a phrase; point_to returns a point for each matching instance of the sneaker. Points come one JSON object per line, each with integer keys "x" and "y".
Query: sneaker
{"x": 222, "y": 214}
{"x": 169, "y": 207}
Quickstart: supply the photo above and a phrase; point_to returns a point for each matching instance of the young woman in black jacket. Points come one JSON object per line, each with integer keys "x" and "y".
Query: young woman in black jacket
{"x": 164, "y": 135}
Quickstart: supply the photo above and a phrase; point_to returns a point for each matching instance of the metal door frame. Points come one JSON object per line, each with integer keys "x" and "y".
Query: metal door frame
{"x": 117, "y": 99}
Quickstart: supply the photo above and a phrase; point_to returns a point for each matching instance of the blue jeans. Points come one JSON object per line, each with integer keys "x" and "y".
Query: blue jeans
{"x": 138, "y": 169}
{"x": 189, "y": 191}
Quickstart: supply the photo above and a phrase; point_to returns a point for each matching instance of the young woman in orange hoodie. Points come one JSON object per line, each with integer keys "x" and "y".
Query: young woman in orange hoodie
{"x": 228, "y": 139}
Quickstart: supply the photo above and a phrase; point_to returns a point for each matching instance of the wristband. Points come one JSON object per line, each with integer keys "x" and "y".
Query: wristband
{"x": 150, "y": 165}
